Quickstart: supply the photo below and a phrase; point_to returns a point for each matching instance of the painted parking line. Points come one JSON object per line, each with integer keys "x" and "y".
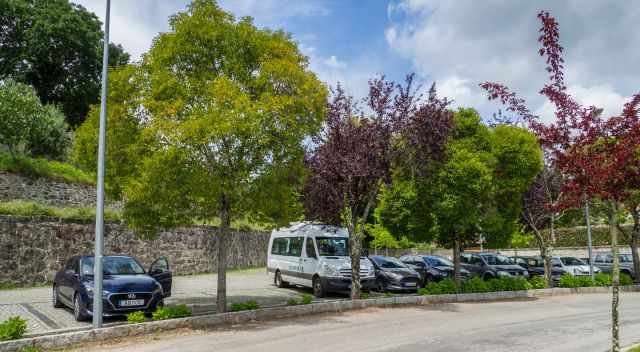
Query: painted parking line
{"x": 43, "y": 318}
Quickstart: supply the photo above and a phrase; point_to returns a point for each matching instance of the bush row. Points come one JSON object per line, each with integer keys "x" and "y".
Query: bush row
{"x": 161, "y": 313}
{"x": 478, "y": 285}
{"x": 601, "y": 279}
{"x": 21, "y": 208}
{"x": 12, "y": 329}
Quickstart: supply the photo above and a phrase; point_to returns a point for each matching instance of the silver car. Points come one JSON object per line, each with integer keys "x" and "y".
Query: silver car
{"x": 573, "y": 266}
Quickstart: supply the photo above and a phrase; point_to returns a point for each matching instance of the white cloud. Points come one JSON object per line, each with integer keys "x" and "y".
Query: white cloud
{"x": 603, "y": 96}
{"x": 462, "y": 43}
{"x": 334, "y": 63}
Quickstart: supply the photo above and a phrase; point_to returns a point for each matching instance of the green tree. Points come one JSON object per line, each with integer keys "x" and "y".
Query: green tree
{"x": 19, "y": 108}
{"x": 27, "y": 127}
{"x": 56, "y": 46}
{"x": 228, "y": 107}
{"x": 478, "y": 189}
{"x": 126, "y": 144}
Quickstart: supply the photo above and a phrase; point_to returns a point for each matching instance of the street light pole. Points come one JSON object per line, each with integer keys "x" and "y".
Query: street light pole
{"x": 99, "y": 243}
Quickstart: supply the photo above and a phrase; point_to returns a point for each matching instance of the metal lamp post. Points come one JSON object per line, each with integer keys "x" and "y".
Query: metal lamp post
{"x": 99, "y": 243}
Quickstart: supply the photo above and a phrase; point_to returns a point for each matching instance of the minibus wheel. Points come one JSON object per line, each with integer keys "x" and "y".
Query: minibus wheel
{"x": 278, "y": 281}
{"x": 318, "y": 290}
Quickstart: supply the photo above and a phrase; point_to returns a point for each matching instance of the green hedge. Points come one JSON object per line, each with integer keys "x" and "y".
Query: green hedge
{"x": 478, "y": 285}
{"x": 601, "y": 279}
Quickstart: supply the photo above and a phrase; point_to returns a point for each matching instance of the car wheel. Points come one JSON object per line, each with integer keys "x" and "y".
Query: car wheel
{"x": 56, "y": 298}
{"x": 380, "y": 287}
{"x": 487, "y": 277}
{"x": 279, "y": 282}
{"x": 77, "y": 311}
{"x": 318, "y": 290}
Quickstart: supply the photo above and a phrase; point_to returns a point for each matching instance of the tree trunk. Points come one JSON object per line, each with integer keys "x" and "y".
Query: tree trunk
{"x": 221, "y": 296}
{"x": 456, "y": 260}
{"x": 635, "y": 241}
{"x": 354, "y": 253}
{"x": 615, "y": 280}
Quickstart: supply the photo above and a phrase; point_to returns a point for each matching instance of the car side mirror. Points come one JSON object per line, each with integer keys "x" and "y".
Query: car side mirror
{"x": 420, "y": 264}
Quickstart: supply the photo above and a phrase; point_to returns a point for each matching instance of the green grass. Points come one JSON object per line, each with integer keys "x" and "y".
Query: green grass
{"x": 36, "y": 168}
{"x": 21, "y": 208}
{"x": 635, "y": 349}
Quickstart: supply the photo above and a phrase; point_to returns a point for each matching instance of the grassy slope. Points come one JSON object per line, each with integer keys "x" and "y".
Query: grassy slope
{"x": 44, "y": 168}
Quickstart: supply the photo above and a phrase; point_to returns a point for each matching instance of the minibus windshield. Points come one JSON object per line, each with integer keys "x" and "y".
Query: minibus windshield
{"x": 333, "y": 246}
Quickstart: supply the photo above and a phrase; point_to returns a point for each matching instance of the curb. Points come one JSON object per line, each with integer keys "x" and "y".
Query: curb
{"x": 67, "y": 339}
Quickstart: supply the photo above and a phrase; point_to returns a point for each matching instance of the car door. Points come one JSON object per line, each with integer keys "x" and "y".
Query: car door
{"x": 161, "y": 271}
{"x": 69, "y": 276}
{"x": 309, "y": 261}
{"x": 600, "y": 263}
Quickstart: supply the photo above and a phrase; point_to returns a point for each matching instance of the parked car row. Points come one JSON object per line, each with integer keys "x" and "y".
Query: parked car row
{"x": 317, "y": 256}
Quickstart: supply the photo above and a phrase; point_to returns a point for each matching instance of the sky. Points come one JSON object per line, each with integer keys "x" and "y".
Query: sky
{"x": 456, "y": 44}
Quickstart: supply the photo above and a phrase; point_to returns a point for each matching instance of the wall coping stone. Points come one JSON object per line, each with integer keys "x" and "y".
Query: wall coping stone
{"x": 67, "y": 339}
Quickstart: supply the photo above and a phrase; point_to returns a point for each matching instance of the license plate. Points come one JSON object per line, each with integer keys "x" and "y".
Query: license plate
{"x": 131, "y": 303}
{"x": 410, "y": 284}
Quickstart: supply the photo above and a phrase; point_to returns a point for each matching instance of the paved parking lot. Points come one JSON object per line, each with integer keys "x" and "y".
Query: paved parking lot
{"x": 34, "y": 304}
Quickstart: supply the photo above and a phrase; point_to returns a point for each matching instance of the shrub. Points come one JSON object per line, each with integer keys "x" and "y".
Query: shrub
{"x": 50, "y": 137}
{"x": 161, "y": 313}
{"x": 247, "y": 305}
{"x": 290, "y": 302}
{"x": 423, "y": 291}
{"x": 538, "y": 282}
{"x": 508, "y": 284}
{"x": 136, "y": 317}
{"x": 446, "y": 286}
{"x": 12, "y": 329}
{"x": 625, "y": 280}
{"x": 475, "y": 285}
{"x": 19, "y": 109}
{"x": 570, "y": 281}
{"x": 308, "y": 299}
{"x": 363, "y": 295}
{"x": 603, "y": 279}
{"x": 179, "y": 311}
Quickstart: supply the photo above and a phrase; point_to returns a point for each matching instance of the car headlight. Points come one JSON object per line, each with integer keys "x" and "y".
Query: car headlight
{"x": 89, "y": 289}
{"x": 503, "y": 273}
{"x": 329, "y": 270}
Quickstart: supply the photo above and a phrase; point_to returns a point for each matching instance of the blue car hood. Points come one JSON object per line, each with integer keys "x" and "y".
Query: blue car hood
{"x": 127, "y": 283}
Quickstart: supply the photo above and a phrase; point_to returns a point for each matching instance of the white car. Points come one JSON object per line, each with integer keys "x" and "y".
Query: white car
{"x": 573, "y": 266}
{"x": 315, "y": 256}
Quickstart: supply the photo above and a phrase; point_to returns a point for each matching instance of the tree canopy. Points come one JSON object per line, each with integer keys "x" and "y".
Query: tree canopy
{"x": 55, "y": 46}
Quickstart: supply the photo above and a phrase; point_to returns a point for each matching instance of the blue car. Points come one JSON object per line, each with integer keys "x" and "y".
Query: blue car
{"x": 126, "y": 286}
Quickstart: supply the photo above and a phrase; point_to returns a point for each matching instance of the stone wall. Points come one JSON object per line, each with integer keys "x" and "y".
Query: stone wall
{"x": 47, "y": 191}
{"x": 33, "y": 249}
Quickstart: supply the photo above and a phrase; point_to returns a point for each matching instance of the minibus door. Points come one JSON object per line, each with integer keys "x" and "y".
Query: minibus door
{"x": 309, "y": 261}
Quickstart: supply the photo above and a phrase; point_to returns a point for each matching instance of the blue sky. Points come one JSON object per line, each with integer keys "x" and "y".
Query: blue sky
{"x": 458, "y": 44}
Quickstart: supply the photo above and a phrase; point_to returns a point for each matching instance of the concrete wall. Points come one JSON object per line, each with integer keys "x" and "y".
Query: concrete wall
{"x": 31, "y": 249}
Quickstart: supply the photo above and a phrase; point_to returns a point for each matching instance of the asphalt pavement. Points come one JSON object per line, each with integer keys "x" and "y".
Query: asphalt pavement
{"x": 563, "y": 323}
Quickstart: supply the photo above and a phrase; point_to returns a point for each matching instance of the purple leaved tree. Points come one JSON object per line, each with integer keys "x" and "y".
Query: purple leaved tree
{"x": 353, "y": 155}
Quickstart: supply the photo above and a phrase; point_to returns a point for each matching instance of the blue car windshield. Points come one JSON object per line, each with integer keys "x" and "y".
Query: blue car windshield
{"x": 112, "y": 266}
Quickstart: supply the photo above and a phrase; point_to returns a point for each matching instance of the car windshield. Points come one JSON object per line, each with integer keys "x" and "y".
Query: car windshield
{"x": 497, "y": 259}
{"x": 388, "y": 263}
{"x": 438, "y": 261}
{"x": 333, "y": 246}
{"x": 113, "y": 266}
{"x": 572, "y": 261}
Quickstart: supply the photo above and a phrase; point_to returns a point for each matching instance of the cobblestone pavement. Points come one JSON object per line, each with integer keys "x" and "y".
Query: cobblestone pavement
{"x": 34, "y": 304}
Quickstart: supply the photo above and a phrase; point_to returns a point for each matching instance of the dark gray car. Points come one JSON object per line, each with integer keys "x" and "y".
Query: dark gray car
{"x": 491, "y": 265}
{"x": 604, "y": 261}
